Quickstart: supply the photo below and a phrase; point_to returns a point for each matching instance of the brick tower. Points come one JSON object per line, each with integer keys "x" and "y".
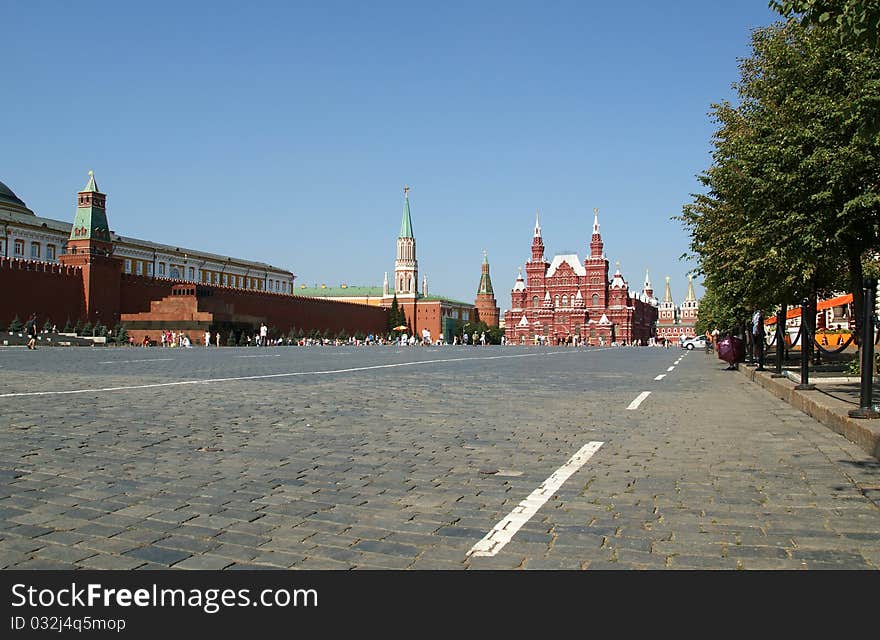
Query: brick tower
{"x": 406, "y": 267}
{"x": 90, "y": 247}
{"x": 487, "y": 308}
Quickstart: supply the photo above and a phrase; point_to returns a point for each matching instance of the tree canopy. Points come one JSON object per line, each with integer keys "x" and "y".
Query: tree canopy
{"x": 855, "y": 20}
{"x": 792, "y": 196}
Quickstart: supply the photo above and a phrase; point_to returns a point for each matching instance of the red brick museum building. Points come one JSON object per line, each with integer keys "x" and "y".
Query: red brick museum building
{"x": 566, "y": 299}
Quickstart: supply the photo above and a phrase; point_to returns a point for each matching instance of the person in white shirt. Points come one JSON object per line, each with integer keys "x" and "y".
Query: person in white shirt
{"x": 264, "y": 334}
{"x": 207, "y": 339}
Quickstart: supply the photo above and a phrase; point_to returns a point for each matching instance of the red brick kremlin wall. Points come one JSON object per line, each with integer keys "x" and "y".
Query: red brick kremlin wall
{"x": 49, "y": 290}
{"x": 56, "y": 292}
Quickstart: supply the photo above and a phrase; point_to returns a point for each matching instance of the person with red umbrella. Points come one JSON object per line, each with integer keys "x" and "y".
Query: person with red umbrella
{"x": 732, "y": 350}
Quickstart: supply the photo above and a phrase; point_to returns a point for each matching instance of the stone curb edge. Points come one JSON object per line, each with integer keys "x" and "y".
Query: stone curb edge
{"x": 825, "y": 409}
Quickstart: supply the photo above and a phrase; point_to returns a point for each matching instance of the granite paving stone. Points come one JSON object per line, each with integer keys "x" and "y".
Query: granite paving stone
{"x": 327, "y": 475}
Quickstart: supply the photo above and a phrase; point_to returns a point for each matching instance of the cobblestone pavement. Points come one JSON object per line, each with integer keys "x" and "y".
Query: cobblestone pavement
{"x": 340, "y": 458}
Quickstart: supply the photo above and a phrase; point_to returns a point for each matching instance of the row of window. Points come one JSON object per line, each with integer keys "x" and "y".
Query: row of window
{"x": 36, "y": 250}
{"x": 563, "y": 301}
{"x": 179, "y": 272}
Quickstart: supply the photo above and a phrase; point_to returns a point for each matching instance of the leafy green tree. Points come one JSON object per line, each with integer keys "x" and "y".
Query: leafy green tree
{"x": 68, "y": 327}
{"x": 86, "y": 329}
{"x": 121, "y": 334}
{"x": 47, "y": 326}
{"x": 791, "y": 202}
{"x": 15, "y": 326}
{"x": 231, "y": 341}
{"x": 855, "y": 20}
{"x": 242, "y": 339}
{"x": 78, "y": 329}
{"x": 396, "y": 316}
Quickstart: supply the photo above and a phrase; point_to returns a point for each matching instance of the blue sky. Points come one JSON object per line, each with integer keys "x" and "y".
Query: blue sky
{"x": 285, "y": 132}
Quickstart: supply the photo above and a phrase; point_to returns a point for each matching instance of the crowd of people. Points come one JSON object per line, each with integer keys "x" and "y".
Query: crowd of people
{"x": 261, "y": 338}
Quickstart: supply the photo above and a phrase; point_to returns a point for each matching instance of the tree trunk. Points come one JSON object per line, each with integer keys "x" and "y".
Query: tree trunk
{"x": 856, "y": 276}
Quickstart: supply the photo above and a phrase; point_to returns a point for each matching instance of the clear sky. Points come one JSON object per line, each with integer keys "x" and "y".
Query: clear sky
{"x": 285, "y": 132}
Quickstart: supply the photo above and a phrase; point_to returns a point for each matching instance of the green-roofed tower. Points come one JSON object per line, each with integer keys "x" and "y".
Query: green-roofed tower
{"x": 90, "y": 248}
{"x": 90, "y": 222}
{"x": 406, "y": 267}
{"x": 487, "y": 308}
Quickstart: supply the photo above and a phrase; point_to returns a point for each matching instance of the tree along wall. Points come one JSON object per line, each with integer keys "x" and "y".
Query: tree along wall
{"x": 50, "y": 291}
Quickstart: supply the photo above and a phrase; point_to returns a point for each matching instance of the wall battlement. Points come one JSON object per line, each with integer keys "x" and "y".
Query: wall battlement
{"x": 39, "y": 266}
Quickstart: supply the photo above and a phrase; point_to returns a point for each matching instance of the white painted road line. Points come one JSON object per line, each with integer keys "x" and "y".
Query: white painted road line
{"x": 639, "y": 400}
{"x": 130, "y": 361}
{"x": 274, "y": 355}
{"x": 671, "y": 368}
{"x": 289, "y": 374}
{"x": 503, "y": 532}
{"x": 660, "y": 377}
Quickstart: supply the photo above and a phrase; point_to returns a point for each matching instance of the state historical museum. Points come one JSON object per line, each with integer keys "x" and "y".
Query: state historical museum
{"x": 567, "y": 300}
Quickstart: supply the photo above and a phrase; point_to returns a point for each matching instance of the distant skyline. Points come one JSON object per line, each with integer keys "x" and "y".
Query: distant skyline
{"x": 285, "y": 133}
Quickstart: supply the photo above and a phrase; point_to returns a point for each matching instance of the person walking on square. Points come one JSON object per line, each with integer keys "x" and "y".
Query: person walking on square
{"x": 32, "y": 333}
{"x": 207, "y": 339}
{"x": 264, "y": 334}
{"x": 217, "y": 339}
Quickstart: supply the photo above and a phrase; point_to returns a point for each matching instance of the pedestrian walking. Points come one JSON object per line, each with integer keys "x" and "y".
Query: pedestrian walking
{"x": 264, "y": 334}
{"x": 207, "y": 339}
{"x": 32, "y": 333}
{"x": 217, "y": 338}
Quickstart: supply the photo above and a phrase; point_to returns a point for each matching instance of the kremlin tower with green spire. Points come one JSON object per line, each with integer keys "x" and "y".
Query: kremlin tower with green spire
{"x": 487, "y": 308}
{"x": 406, "y": 267}
{"x": 90, "y": 247}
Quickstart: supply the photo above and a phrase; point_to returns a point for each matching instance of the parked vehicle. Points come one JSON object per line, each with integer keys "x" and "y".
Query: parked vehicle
{"x": 694, "y": 343}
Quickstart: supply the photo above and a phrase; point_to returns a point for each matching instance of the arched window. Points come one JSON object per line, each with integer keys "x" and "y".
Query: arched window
{"x": 595, "y": 299}
{"x": 535, "y": 302}
{"x": 556, "y": 300}
{"x": 564, "y": 301}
